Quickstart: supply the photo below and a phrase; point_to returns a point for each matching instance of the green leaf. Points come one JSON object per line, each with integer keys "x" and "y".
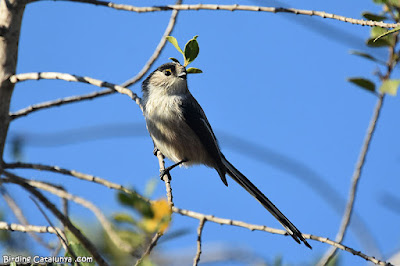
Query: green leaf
{"x": 174, "y": 43}
{"x": 124, "y": 218}
{"x": 387, "y": 33}
{"x": 175, "y": 60}
{"x": 374, "y": 17}
{"x": 193, "y": 70}
{"x": 80, "y": 252}
{"x": 133, "y": 201}
{"x": 367, "y": 56}
{"x": 389, "y": 2}
{"x": 191, "y": 50}
{"x": 381, "y": 41}
{"x": 395, "y": 3}
{"x": 363, "y": 83}
{"x": 390, "y": 86}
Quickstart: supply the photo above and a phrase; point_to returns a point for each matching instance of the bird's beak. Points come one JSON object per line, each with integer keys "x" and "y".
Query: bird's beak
{"x": 182, "y": 75}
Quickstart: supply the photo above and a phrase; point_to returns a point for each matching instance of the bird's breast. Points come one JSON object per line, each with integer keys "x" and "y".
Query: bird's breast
{"x": 170, "y": 132}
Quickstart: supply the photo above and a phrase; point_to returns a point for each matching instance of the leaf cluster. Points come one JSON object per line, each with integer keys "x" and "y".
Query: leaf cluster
{"x": 381, "y": 38}
{"x": 190, "y": 53}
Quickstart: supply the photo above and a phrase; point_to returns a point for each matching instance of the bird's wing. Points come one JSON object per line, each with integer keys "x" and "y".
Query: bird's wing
{"x": 196, "y": 119}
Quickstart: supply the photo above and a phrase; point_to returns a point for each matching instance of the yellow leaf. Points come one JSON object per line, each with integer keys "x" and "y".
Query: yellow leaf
{"x": 161, "y": 219}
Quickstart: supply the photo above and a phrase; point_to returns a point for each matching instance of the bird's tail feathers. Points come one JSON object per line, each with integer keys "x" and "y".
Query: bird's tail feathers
{"x": 256, "y": 193}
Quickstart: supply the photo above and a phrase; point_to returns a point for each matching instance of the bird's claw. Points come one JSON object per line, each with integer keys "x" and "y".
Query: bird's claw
{"x": 165, "y": 172}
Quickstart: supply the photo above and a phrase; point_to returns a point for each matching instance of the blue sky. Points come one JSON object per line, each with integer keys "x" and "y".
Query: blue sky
{"x": 275, "y": 81}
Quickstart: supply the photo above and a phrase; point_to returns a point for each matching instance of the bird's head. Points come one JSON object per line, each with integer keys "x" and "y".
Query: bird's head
{"x": 169, "y": 78}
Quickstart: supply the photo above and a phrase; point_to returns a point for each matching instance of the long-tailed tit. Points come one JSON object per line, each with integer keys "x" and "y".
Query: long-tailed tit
{"x": 180, "y": 130}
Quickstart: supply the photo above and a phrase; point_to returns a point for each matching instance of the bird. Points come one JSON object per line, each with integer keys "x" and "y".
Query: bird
{"x": 181, "y": 131}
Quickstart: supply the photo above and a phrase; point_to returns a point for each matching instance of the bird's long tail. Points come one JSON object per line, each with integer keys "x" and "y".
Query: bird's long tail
{"x": 256, "y": 193}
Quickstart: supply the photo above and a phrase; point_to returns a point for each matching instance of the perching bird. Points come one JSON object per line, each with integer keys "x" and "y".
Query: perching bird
{"x": 181, "y": 132}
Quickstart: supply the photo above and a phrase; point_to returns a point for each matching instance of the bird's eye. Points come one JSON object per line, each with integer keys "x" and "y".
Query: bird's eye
{"x": 167, "y": 72}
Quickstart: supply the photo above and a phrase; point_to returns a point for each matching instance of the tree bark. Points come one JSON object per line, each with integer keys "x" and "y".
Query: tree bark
{"x": 11, "y": 12}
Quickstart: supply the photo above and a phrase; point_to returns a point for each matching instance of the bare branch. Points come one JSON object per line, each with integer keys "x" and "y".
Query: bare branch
{"x": 253, "y": 227}
{"x": 87, "y": 204}
{"x": 348, "y": 249}
{"x": 29, "y": 228}
{"x": 157, "y": 51}
{"x": 65, "y": 220}
{"x": 166, "y": 177}
{"x": 63, "y": 238}
{"x": 90, "y": 96}
{"x": 361, "y": 160}
{"x": 20, "y": 216}
{"x": 354, "y": 183}
{"x": 231, "y": 222}
{"x": 82, "y": 176}
{"x": 58, "y": 102}
{"x": 68, "y": 77}
{"x": 152, "y": 244}
{"x": 236, "y": 7}
{"x": 199, "y": 232}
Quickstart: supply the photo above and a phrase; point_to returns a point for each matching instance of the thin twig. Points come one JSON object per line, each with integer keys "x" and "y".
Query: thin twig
{"x": 58, "y": 102}
{"x": 152, "y": 244}
{"x": 199, "y": 233}
{"x": 62, "y": 238}
{"x": 75, "y": 78}
{"x": 236, "y": 7}
{"x": 157, "y": 51}
{"x": 354, "y": 183}
{"x": 20, "y": 216}
{"x": 82, "y": 176}
{"x": 264, "y": 228}
{"x": 253, "y": 227}
{"x": 87, "y": 204}
{"x": 361, "y": 161}
{"x": 29, "y": 228}
{"x": 64, "y": 220}
{"x": 90, "y": 96}
{"x": 166, "y": 177}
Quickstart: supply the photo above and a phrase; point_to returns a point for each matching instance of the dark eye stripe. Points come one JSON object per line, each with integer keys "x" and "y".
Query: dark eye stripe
{"x": 170, "y": 66}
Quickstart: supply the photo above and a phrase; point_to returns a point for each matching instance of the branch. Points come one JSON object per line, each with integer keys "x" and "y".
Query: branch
{"x": 11, "y": 12}
{"x": 90, "y": 96}
{"x": 152, "y": 244}
{"x": 253, "y": 227}
{"x": 20, "y": 215}
{"x": 199, "y": 232}
{"x": 87, "y": 204}
{"x": 236, "y": 7}
{"x": 355, "y": 180}
{"x": 82, "y": 176}
{"x": 64, "y": 220}
{"x": 29, "y": 228}
{"x": 361, "y": 160}
{"x": 166, "y": 177}
{"x": 157, "y": 51}
{"x": 68, "y": 77}
{"x": 223, "y": 221}
{"x": 63, "y": 238}
{"x": 58, "y": 102}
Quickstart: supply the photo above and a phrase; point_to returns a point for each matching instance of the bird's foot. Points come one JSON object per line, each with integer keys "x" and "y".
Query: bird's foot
{"x": 155, "y": 150}
{"x": 166, "y": 170}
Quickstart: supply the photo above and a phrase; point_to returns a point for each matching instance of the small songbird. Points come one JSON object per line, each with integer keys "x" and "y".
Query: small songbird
{"x": 181, "y": 132}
